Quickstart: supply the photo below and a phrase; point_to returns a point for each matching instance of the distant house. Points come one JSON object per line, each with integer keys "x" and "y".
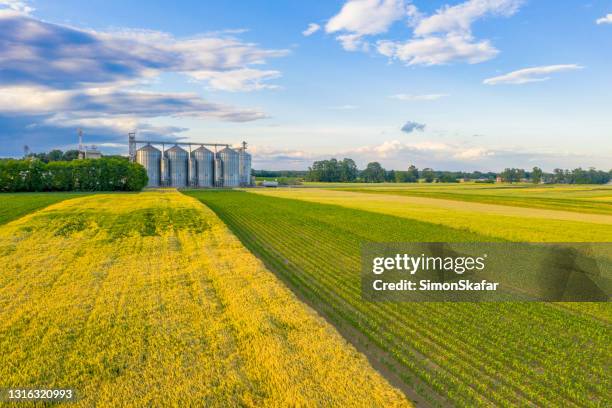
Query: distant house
{"x": 499, "y": 179}
{"x": 269, "y": 183}
{"x": 92, "y": 153}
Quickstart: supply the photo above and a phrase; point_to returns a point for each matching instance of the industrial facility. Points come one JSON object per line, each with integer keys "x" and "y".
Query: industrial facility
{"x": 196, "y": 167}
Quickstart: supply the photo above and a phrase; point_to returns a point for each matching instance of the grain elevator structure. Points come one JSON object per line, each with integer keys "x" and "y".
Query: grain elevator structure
{"x": 196, "y": 165}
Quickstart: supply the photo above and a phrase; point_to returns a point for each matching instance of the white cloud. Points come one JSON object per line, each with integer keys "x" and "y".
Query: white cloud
{"x": 527, "y": 75}
{"x": 438, "y": 50}
{"x": 441, "y": 38}
{"x": 358, "y": 18}
{"x": 353, "y": 42}
{"x": 607, "y": 19}
{"x": 56, "y": 77}
{"x": 433, "y": 152}
{"x": 365, "y": 17}
{"x": 459, "y": 18}
{"x": 414, "y": 98}
{"x": 243, "y": 80}
{"x": 37, "y": 52}
{"x": 311, "y": 29}
{"x": 16, "y": 5}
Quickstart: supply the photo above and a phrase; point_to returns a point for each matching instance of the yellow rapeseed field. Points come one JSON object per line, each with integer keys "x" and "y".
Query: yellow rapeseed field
{"x": 148, "y": 300}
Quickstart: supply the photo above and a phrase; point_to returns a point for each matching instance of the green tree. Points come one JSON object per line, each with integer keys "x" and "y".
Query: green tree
{"x": 70, "y": 155}
{"x": 373, "y": 173}
{"x": 324, "y": 170}
{"x": 536, "y": 175}
{"x": 348, "y": 170}
{"x": 55, "y": 155}
{"x": 428, "y": 174}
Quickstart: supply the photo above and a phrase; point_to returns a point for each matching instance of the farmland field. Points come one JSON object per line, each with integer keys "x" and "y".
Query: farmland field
{"x": 470, "y": 354}
{"x": 149, "y": 300}
{"x": 583, "y": 199}
{"x": 13, "y": 206}
{"x": 502, "y": 221}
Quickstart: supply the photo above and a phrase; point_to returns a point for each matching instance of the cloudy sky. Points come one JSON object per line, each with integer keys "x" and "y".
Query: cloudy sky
{"x": 456, "y": 85}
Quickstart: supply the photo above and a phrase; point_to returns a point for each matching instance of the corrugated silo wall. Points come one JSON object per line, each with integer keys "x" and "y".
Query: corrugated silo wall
{"x": 231, "y": 167}
{"x": 245, "y": 168}
{"x": 150, "y": 158}
{"x": 177, "y": 166}
{"x": 164, "y": 171}
{"x": 204, "y": 161}
{"x": 218, "y": 172}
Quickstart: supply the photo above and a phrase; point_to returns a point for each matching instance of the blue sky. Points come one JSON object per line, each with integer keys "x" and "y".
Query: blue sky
{"x": 457, "y": 85}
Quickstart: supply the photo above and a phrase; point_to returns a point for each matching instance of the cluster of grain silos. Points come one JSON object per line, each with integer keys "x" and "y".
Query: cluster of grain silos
{"x": 176, "y": 167}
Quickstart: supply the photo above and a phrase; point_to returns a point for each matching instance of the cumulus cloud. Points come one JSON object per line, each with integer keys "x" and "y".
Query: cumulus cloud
{"x": 311, "y": 29}
{"x": 353, "y": 42}
{"x": 410, "y": 127}
{"x": 37, "y": 52}
{"x": 239, "y": 80}
{"x": 459, "y": 18}
{"x": 607, "y": 19}
{"x": 16, "y": 5}
{"x": 103, "y": 102}
{"x": 54, "y": 77}
{"x": 366, "y": 16}
{"x": 441, "y": 38}
{"x": 358, "y": 18}
{"x": 527, "y": 75}
{"x": 414, "y": 98}
{"x": 438, "y": 50}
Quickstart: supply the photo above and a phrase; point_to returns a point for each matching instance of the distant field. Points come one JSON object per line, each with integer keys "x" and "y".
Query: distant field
{"x": 508, "y": 222}
{"x": 15, "y": 205}
{"x": 503, "y": 354}
{"x": 149, "y": 300}
{"x": 584, "y": 199}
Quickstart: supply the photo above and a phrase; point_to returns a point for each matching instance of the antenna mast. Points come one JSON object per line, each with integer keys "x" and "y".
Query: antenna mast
{"x": 81, "y": 149}
{"x": 132, "y": 146}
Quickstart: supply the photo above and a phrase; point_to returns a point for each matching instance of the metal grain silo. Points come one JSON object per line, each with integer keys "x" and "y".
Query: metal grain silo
{"x": 191, "y": 166}
{"x": 245, "y": 167}
{"x": 177, "y": 166}
{"x": 164, "y": 170}
{"x": 204, "y": 161}
{"x": 218, "y": 176}
{"x": 231, "y": 167}
{"x": 150, "y": 158}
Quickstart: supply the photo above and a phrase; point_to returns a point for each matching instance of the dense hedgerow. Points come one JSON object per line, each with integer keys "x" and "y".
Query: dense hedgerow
{"x": 105, "y": 174}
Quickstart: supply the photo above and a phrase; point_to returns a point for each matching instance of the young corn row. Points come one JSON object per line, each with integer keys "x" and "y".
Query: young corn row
{"x": 504, "y": 354}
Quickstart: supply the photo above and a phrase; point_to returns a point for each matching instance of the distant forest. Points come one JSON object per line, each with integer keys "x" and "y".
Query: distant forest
{"x": 345, "y": 171}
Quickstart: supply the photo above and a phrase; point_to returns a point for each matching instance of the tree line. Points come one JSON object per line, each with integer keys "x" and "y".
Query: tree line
{"x": 346, "y": 170}
{"x": 104, "y": 174}
{"x": 558, "y": 176}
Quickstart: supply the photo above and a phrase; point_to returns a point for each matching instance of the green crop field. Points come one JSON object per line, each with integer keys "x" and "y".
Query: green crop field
{"x": 469, "y": 354}
{"x": 584, "y": 199}
{"x": 15, "y": 205}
